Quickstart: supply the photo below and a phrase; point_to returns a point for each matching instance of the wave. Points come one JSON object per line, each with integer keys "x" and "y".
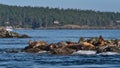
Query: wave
{"x": 109, "y": 53}
{"x": 43, "y": 52}
{"x": 90, "y": 52}
{"x": 85, "y": 52}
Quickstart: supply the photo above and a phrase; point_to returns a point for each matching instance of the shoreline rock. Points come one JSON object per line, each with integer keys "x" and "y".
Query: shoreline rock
{"x": 10, "y": 34}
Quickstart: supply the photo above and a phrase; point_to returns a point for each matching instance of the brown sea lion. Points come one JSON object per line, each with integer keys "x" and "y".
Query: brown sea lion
{"x": 52, "y": 46}
{"x": 37, "y": 44}
{"x": 101, "y": 41}
{"x": 86, "y": 44}
{"x": 69, "y": 43}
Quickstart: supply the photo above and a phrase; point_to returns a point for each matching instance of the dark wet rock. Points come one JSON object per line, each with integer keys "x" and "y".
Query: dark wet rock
{"x": 10, "y": 34}
{"x": 66, "y": 49}
{"x": 32, "y": 50}
{"x": 115, "y": 49}
{"x": 62, "y": 51}
{"x": 61, "y": 44}
{"x": 23, "y": 36}
{"x": 108, "y": 48}
{"x": 75, "y": 47}
{"x": 112, "y": 49}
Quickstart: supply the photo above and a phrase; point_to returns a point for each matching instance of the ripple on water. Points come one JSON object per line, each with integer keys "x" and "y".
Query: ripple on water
{"x": 39, "y": 60}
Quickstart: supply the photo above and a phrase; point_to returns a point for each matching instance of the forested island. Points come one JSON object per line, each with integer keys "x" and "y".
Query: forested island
{"x": 45, "y": 17}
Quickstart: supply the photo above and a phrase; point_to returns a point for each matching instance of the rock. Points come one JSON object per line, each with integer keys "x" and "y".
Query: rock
{"x": 23, "y": 36}
{"x": 65, "y": 49}
{"x": 117, "y": 42}
{"x": 108, "y": 48}
{"x": 62, "y": 51}
{"x": 61, "y": 44}
{"x": 32, "y": 50}
{"x": 115, "y": 49}
{"x": 9, "y": 34}
{"x": 76, "y": 47}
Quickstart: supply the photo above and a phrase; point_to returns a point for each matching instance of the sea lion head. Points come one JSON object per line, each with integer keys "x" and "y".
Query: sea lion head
{"x": 52, "y": 46}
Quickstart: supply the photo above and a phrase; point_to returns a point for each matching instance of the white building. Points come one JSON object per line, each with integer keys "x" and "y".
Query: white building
{"x": 56, "y": 22}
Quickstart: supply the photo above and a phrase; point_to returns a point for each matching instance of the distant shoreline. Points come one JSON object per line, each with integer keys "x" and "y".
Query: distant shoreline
{"x": 55, "y": 28}
{"x": 69, "y": 28}
{"x": 54, "y": 18}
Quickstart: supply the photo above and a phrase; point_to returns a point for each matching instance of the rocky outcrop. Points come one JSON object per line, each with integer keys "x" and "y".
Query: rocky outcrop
{"x": 65, "y": 48}
{"x": 62, "y": 51}
{"x": 35, "y": 46}
{"x": 9, "y": 34}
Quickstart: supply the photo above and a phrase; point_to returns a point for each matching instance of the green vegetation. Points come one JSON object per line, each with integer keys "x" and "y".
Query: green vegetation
{"x": 36, "y": 17}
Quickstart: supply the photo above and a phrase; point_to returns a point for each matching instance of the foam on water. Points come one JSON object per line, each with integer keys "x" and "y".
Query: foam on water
{"x": 42, "y": 52}
{"x": 90, "y": 52}
{"x": 86, "y": 52}
{"x": 109, "y": 53}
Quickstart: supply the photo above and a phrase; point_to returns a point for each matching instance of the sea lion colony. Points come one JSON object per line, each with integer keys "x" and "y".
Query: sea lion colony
{"x": 65, "y": 48}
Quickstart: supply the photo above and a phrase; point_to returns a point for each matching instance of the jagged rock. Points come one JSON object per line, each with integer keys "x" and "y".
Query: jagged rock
{"x": 108, "y": 48}
{"x": 62, "y": 51}
{"x": 32, "y": 50}
{"x": 115, "y": 49}
{"x": 9, "y": 34}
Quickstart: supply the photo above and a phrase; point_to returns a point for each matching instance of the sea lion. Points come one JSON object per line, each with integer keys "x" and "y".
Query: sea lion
{"x": 69, "y": 43}
{"x": 86, "y": 44}
{"x": 101, "y": 41}
{"x": 37, "y": 44}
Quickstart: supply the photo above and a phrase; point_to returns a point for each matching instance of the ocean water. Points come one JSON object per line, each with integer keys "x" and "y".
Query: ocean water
{"x": 80, "y": 59}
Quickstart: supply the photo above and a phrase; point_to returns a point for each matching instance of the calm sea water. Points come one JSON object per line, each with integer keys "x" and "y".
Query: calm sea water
{"x": 43, "y": 60}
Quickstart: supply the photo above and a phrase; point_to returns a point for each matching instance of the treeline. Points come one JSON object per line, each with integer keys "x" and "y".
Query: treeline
{"x": 36, "y": 17}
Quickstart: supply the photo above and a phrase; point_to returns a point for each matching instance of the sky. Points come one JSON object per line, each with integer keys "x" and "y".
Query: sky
{"x": 97, "y": 5}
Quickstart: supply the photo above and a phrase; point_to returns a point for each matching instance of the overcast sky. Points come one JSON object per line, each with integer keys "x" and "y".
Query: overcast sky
{"x": 101, "y": 5}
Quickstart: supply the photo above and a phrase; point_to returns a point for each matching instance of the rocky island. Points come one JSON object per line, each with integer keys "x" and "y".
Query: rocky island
{"x": 99, "y": 45}
{"x": 10, "y": 34}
